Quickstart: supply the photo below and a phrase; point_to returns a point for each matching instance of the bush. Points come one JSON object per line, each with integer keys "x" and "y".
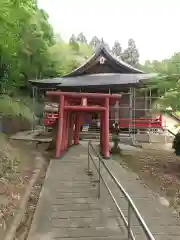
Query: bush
{"x": 176, "y": 144}
{"x": 13, "y": 107}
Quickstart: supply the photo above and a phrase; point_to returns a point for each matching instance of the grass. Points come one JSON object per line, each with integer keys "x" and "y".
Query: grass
{"x": 14, "y": 107}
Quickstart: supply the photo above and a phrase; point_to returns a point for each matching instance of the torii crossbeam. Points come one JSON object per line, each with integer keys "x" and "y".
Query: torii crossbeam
{"x": 73, "y": 108}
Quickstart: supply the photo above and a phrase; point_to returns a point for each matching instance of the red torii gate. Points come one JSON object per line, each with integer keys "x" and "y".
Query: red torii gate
{"x": 73, "y": 107}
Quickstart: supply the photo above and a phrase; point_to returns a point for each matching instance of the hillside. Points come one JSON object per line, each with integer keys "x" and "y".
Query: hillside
{"x": 15, "y": 107}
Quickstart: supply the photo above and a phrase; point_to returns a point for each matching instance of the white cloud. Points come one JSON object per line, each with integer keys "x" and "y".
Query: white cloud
{"x": 154, "y": 25}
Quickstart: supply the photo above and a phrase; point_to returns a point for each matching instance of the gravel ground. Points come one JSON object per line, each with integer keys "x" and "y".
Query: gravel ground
{"x": 159, "y": 169}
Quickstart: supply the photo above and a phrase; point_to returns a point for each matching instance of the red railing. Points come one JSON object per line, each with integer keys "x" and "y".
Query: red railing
{"x": 141, "y": 122}
{"x": 50, "y": 119}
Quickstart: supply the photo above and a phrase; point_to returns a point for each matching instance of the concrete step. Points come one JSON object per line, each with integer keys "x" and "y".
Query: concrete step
{"x": 95, "y": 238}
{"x": 86, "y": 222}
{"x": 86, "y": 232}
{"x": 75, "y": 211}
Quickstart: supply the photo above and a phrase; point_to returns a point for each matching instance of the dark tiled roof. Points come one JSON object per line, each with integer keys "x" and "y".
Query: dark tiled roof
{"x": 118, "y": 64}
{"x": 48, "y": 80}
{"x": 124, "y": 74}
{"x": 104, "y": 79}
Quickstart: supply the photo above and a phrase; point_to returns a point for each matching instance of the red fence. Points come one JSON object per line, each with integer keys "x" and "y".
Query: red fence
{"x": 50, "y": 118}
{"x": 141, "y": 122}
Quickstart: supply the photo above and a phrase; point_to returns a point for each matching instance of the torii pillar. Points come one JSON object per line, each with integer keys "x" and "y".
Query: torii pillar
{"x": 70, "y": 114}
{"x": 60, "y": 124}
{"x": 106, "y": 129}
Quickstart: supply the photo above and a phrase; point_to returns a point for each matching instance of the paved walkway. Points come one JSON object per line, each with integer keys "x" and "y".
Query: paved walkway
{"x": 68, "y": 207}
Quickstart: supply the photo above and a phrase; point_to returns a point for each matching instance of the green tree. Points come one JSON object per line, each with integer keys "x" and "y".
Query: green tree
{"x": 25, "y": 39}
{"x": 168, "y": 81}
{"x": 131, "y": 54}
{"x": 81, "y": 38}
{"x": 107, "y": 46}
{"x": 117, "y": 49}
{"x": 74, "y": 43}
{"x": 95, "y": 42}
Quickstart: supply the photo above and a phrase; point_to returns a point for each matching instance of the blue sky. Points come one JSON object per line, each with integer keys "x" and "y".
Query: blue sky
{"x": 153, "y": 24}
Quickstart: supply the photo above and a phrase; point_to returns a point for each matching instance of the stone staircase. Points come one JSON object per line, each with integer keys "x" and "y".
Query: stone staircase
{"x": 68, "y": 207}
{"x": 94, "y": 133}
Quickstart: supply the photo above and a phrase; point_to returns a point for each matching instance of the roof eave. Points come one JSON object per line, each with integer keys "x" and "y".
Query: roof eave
{"x": 102, "y": 49}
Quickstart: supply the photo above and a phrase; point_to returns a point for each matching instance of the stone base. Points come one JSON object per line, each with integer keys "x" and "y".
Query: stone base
{"x": 153, "y": 138}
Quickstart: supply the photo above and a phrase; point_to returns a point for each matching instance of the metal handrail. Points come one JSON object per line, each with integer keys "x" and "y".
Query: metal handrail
{"x": 171, "y": 132}
{"x": 131, "y": 205}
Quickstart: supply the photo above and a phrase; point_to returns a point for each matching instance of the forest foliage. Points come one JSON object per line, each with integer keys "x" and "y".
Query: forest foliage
{"x": 167, "y": 82}
{"x": 29, "y": 49}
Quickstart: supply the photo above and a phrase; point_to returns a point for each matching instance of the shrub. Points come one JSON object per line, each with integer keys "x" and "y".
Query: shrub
{"x": 176, "y": 144}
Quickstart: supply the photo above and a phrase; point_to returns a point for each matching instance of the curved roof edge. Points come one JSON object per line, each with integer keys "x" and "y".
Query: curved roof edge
{"x": 102, "y": 50}
{"x": 100, "y": 79}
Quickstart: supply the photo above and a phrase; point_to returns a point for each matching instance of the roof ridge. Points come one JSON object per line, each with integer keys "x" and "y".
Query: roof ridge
{"x": 102, "y": 48}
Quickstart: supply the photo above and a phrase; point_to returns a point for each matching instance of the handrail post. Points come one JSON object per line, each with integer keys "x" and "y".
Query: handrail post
{"x": 131, "y": 206}
{"x": 99, "y": 180}
{"x": 129, "y": 221}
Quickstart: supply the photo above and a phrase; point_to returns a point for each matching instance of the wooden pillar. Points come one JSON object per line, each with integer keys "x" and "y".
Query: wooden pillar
{"x": 60, "y": 125}
{"x": 77, "y": 129}
{"x": 69, "y": 138}
{"x": 80, "y": 123}
{"x": 64, "y": 132}
{"x": 71, "y": 131}
{"x": 74, "y": 128}
{"x": 67, "y": 130}
{"x": 106, "y": 129}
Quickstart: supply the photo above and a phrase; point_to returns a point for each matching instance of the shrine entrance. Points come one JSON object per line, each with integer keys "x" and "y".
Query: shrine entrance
{"x": 74, "y": 108}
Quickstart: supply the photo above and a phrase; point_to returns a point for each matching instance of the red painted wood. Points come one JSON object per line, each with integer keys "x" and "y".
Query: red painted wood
{"x": 81, "y": 95}
{"x": 72, "y": 129}
{"x": 84, "y": 108}
{"x": 99, "y": 103}
{"x": 141, "y": 122}
{"x": 123, "y": 122}
{"x": 60, "y": 126}
{"x": 67, "y": 130}
{"x": 106, "y": 129}
{"x": 76, "y": 133}
{"x": 102, "y": 132}
{"x": 64, "y": 132}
